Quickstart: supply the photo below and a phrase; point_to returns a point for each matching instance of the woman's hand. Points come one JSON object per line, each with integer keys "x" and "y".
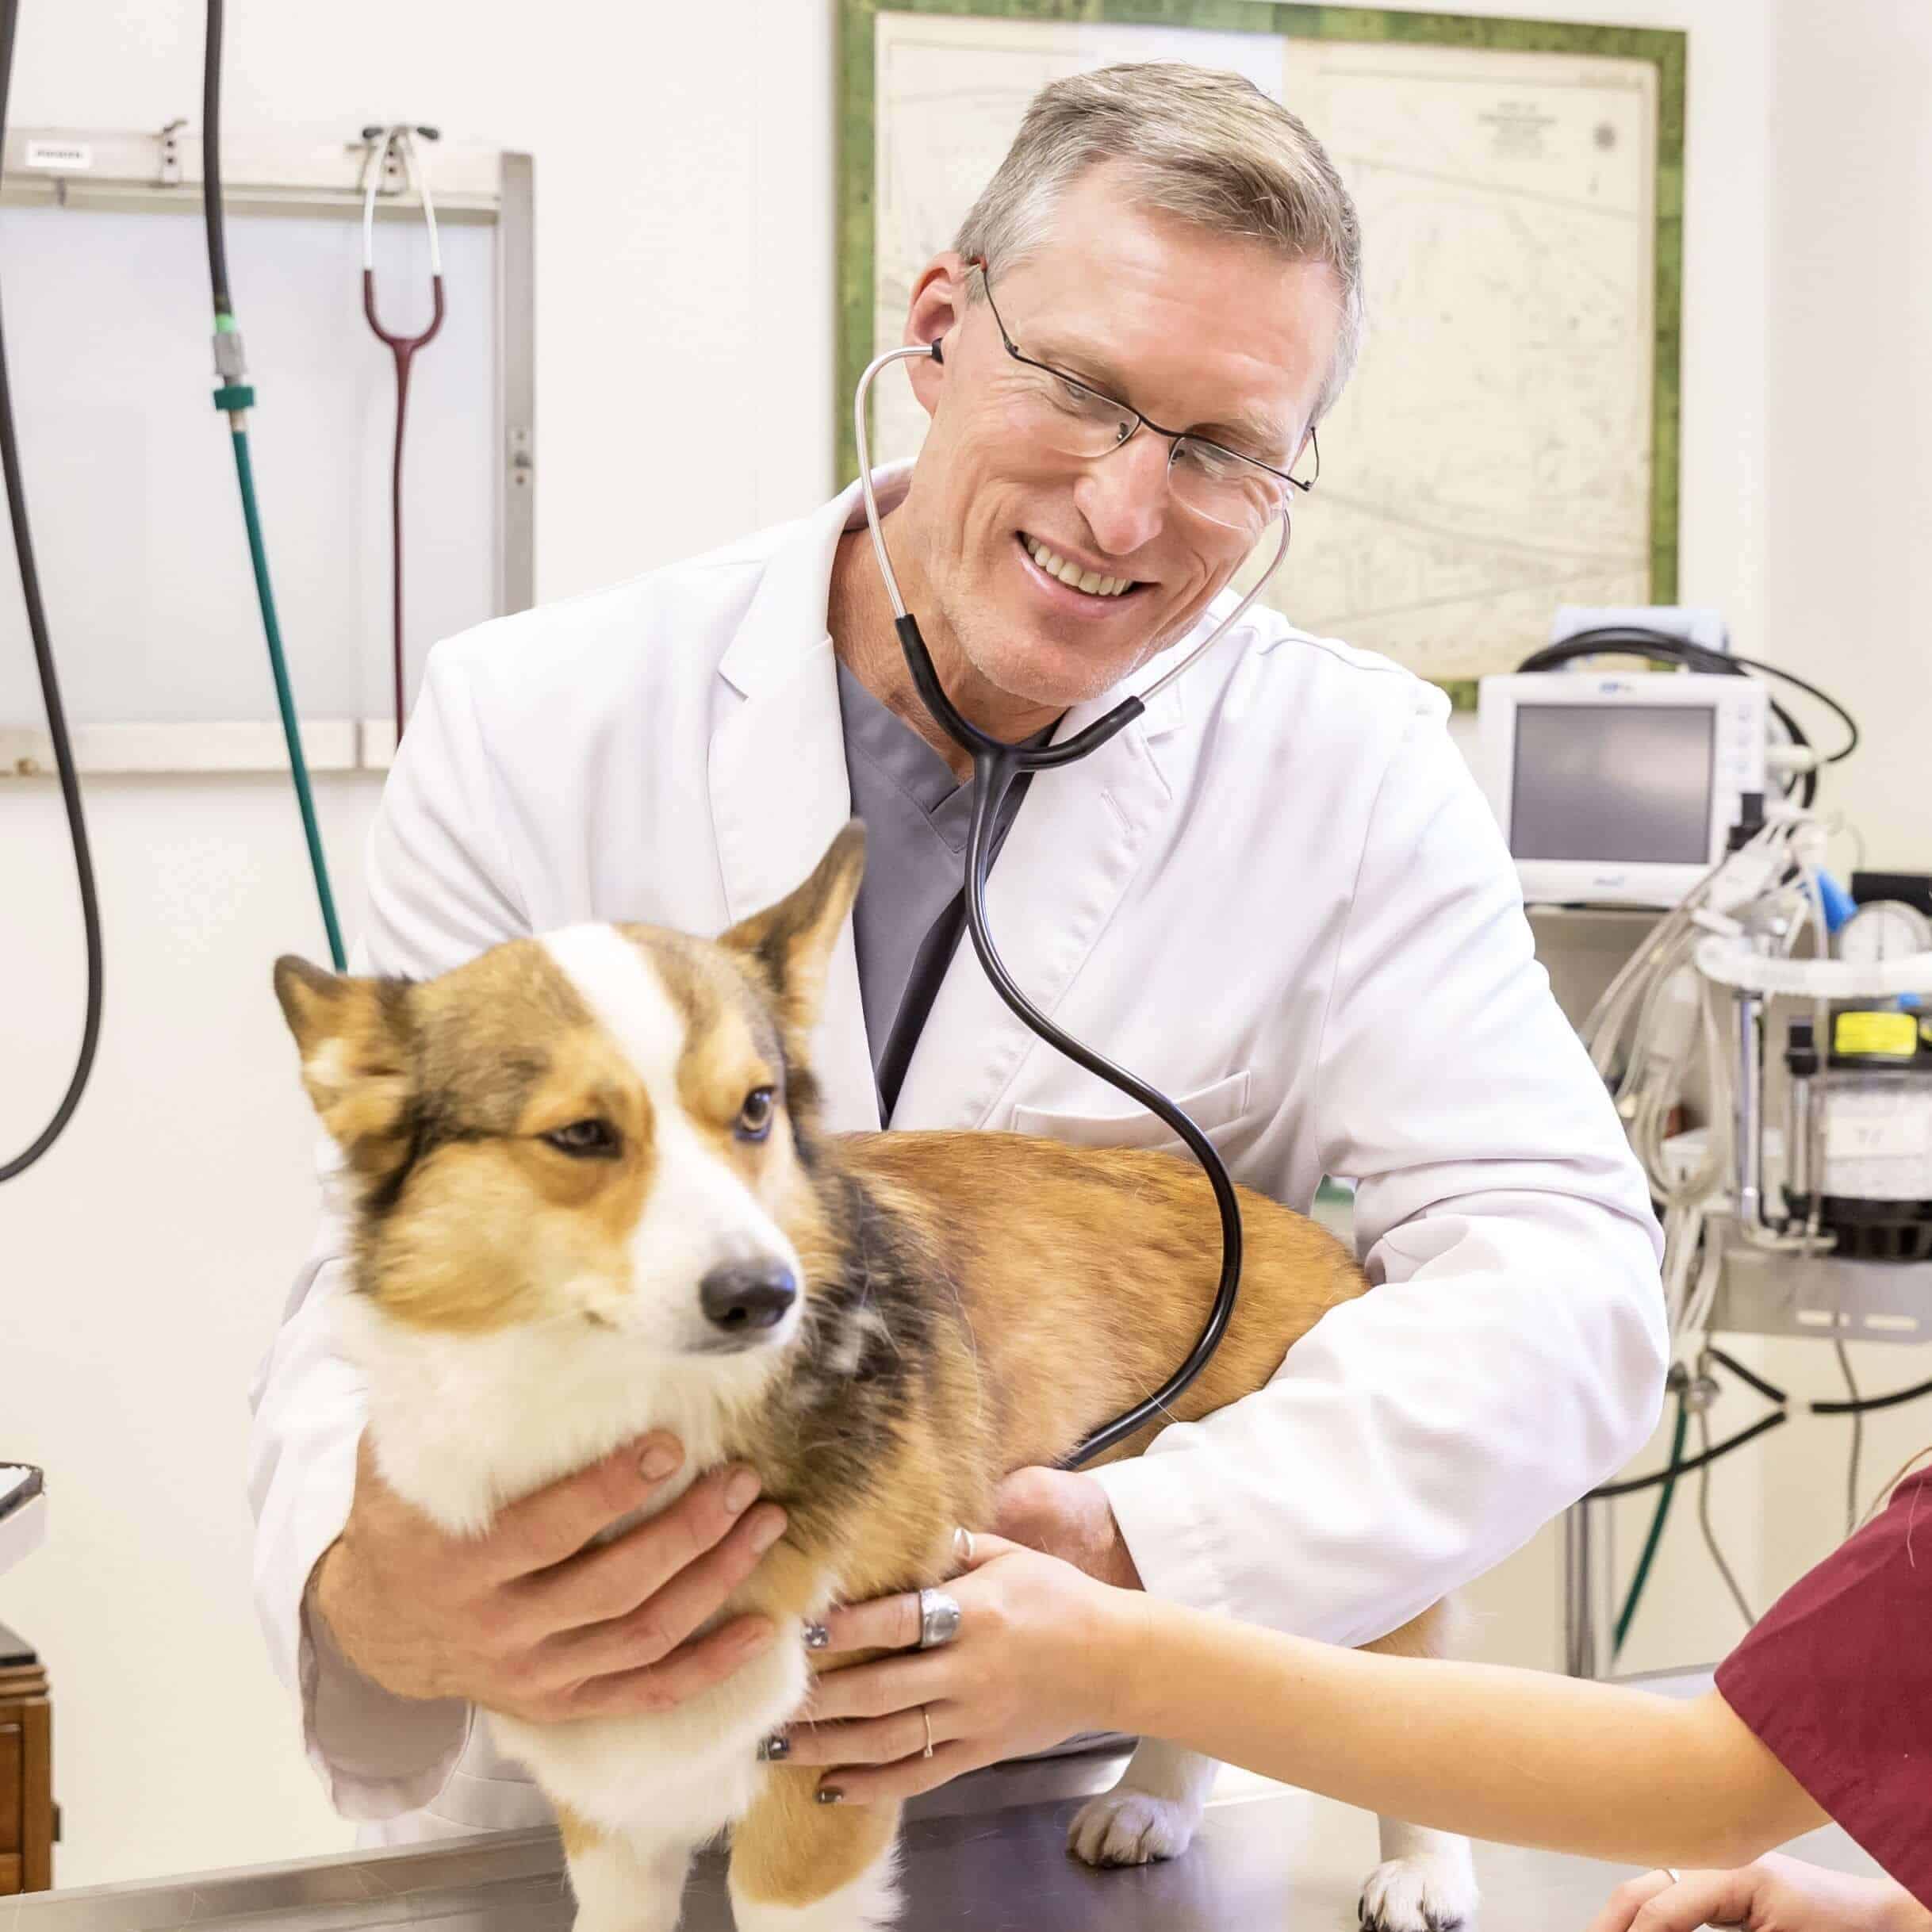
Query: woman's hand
{"x": 1775, "y": 1895}
{"x": 1036, "y": 1659}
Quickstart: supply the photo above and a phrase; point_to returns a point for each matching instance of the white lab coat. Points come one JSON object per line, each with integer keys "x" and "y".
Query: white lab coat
{"x": 1278, "y": 895}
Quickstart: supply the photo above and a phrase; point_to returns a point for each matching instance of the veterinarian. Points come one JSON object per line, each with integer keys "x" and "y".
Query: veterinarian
{"x": 1278, "y": 896}
{"x": 1823, "y": 1712}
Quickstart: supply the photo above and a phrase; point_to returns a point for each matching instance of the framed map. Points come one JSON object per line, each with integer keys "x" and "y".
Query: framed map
{"x": 1509, "y": 442}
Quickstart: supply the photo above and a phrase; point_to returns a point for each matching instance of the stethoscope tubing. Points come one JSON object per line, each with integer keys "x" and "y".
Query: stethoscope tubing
{"x": 992, "y": 776}
{"x": 402, "y": 351}
{"x": 995, "y": 764}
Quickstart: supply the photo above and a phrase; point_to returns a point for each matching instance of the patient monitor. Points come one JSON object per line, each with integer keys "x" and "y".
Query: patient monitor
{"x": 1620, "y": 788}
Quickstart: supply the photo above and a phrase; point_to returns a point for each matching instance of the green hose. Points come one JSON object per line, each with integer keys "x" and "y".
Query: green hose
{"x": 298, "y": 765}
{"x": 235, "y": 399}
{"x": 1656, "y": 1536}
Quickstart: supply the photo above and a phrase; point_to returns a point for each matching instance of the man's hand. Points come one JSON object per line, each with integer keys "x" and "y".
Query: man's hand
{"x": 528, "y": 1619}
{"x": 1067, "y": 1515}
{"x": 1775, "y": 1895}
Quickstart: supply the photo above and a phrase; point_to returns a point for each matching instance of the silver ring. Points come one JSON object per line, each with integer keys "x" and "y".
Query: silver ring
{"x": 925, "y": 1717}
{"x": 939, "y": 1618}
{"x": 962, "y": 1548}
{"x": 1671, "y": 1872}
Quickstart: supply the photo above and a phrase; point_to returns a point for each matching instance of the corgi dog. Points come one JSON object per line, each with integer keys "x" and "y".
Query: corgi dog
{"x": 590, "y": 1197}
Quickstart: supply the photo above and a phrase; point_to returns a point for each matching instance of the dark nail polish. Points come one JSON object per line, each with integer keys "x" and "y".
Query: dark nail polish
{"x": 774, "y": 1750}
{"x": 817, "y": 1637}
{"x": 830, "y": 1794}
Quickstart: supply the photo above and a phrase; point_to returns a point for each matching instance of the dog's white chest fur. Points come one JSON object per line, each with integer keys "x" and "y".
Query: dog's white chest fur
{"x": 692, "y": 1769}
{"x": 685, "y": 1773}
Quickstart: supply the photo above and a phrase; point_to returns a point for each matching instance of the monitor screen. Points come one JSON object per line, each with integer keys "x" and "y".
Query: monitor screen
{"x": 1609, "y": 784}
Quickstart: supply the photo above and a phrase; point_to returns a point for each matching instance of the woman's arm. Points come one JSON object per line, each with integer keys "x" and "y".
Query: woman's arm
{"x": 1511, "y": 1755}
{"x": 1044, "y": 1651}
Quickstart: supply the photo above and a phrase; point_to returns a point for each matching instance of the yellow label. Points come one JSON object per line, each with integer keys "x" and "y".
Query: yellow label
{"x": 1894, "y": 1034}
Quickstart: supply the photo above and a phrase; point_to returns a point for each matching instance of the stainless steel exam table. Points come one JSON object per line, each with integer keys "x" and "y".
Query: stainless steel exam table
{"x": 987, "y": 1853}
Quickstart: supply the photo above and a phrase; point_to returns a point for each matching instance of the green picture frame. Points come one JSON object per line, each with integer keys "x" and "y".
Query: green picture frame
{"x": 1665, "y": 49}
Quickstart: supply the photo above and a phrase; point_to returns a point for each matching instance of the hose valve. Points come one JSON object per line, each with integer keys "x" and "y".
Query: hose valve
{"x": 234, "y": 395}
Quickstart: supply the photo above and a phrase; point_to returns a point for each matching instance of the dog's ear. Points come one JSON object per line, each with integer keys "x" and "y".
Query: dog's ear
{"x": 354, "y": 1038}
{"x": 791, "y": 943}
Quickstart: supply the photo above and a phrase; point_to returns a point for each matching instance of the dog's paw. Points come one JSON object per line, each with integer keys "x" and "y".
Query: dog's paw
{"x": 1125, "y": 1826}
{"x": 1429, "y": 1892}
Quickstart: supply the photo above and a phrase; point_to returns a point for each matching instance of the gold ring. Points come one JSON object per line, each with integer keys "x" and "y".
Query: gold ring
{"x": 925, "y": 1717}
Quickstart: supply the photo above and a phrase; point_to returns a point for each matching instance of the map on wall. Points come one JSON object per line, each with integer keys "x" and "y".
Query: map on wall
{"x": 1508, "y": 442}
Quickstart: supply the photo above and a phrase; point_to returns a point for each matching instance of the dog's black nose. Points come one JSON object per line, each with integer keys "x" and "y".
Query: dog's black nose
{"x": 739, "y": 1296}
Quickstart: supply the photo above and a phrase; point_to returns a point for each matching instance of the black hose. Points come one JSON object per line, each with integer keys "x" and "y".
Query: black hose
{"x": 50, "y": 693}
{"x": 1769, "y": 1390}
{"x": 216, "y": 224}
{"x": 1831, "y": 704}
{"x": 1677, "y": 1469}
{"x": 1638, "y": 640}
{"x": 1866, "y": 1405}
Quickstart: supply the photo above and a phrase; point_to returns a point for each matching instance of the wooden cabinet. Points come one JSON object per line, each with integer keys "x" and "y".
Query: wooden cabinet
{"x": 26, "y": 1770}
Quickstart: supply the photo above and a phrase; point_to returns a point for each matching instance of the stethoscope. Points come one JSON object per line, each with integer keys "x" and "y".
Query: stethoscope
{"x": 400, "y": 141}
{"x": 995, "y": 765}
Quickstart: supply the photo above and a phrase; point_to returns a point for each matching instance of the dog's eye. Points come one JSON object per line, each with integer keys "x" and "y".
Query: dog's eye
{"x": 584, "y": 1137}
{"x": 754, "y": 1118}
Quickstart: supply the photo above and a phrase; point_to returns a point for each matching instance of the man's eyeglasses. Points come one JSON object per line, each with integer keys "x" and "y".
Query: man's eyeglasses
{"x": 1065, "y": 414}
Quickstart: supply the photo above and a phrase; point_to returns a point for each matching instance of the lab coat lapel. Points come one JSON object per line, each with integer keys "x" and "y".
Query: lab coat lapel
{"x": 778, "y": 788}
{"x": 1080, "y": 835}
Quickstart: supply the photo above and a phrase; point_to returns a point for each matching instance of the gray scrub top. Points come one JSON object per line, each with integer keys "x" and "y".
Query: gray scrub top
{"x": 911, "y": 909}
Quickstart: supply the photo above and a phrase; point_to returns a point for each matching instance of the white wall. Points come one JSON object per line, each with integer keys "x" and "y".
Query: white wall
{"x": 144, "y": 1261}
{"x": 684, "y": 234}
{"x": 684, "y": 227}
{"x": 1848, "y": 563}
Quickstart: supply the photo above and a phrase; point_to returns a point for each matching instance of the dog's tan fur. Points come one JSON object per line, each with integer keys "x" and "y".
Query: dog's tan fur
{"x": 1060, "y": 1284}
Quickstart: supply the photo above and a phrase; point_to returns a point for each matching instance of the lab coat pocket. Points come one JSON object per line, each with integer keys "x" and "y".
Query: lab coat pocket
{"x": 1219, "y": 1106}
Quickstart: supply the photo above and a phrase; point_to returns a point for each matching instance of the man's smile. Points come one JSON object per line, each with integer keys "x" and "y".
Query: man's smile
{"x": 1069, "y": 583}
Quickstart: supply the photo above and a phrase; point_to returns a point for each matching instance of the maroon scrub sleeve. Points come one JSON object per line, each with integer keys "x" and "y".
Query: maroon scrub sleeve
{"x": 1836, "y": 1680}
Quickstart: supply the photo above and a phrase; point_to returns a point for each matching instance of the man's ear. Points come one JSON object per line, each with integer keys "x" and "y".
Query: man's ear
{"x": 353, "y": 1035}
{"x": 791, "y": 943}
{"x": 938, "y": 306}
